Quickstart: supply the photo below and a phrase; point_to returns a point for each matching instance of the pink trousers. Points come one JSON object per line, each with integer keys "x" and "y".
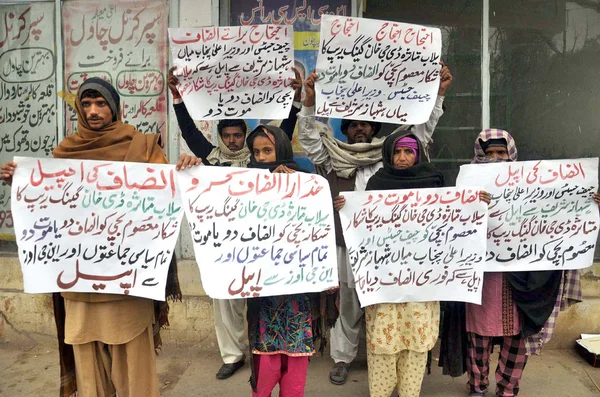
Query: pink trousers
{"x": 289, "y": 372}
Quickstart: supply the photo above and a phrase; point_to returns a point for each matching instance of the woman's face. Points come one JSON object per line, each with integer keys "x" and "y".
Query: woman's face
{"x": 263, "y": 150}
{"x": 403, "y": 157}
{"x": 497, "y": 153}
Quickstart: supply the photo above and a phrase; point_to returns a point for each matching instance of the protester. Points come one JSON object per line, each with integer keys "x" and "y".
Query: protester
{"x": 399, "y": 335}
{"x": 282, "y": 330}
{"x": 518, "y": 308}
{"x": 354, "y": 163}
{"x": 232, "y": 151}
{"x": 107, "y": 342}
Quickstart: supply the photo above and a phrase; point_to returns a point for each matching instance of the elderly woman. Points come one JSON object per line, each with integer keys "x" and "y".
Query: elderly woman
{"x": 399, "y": 335}
{"x": 518, "y": 309}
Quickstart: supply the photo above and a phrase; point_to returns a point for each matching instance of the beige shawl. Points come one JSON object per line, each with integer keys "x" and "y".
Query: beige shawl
{"x": 346, "y": 157}
{"x": 223, "y": 155}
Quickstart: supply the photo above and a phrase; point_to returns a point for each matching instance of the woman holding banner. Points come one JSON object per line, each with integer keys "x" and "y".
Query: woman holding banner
{"x": 518, "y": 309}
{"x": 282, "y": 330}
{"x": 399, "y": 335}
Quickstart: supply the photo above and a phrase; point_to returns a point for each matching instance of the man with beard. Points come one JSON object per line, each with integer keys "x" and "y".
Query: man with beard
{"x": 348, "y": 166}
{"x": 107, "y": 342}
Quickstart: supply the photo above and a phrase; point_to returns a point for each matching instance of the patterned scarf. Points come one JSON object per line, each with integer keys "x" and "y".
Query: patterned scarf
{"x": 347, "y": 157}
{"x": 493, "y": 133}
{"x": 535, "y": 293}
{"x": 224, "y": 156}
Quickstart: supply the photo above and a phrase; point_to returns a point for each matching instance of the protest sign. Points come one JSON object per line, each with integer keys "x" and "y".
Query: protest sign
{"x": 542, "y": 215}
{"x": 305, "y": 17}
{"x": 415, "y": 245}
{"x": 95, "y": 226}
{"x": 124, "y": 43}
{"x": 260, "y": 234}
{"x": 27, "y": 90}
{"x": 235, "y": 72}
{"x": 377, "y": 71}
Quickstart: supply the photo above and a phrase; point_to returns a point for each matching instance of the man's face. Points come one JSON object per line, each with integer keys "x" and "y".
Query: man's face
{"x": 233, "y": 138}
{"x": 97, "y": 112}
{"x": 497, "y": 153}
{"x": 359, "y": 132}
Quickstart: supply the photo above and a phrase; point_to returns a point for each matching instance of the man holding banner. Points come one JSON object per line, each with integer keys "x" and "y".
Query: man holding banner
{"x": 107, "y": 342}
{"x": 348, "y": 166}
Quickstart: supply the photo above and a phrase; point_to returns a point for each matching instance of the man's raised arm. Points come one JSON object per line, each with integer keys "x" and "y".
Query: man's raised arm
{"x": 308, "y": 135}
{"x": 194, "y": 138}
{"x": 425, "y": 131}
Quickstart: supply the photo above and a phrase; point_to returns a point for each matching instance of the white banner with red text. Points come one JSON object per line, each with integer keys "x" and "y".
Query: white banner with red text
{"x": 258, "y": 233}
{"x": 415, "y": 245}
{"x": 95, "y": 226}
{"x": 542, "y": 215}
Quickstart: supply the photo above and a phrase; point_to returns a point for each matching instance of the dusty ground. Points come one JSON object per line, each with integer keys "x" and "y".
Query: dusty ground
{"x": 29, "y": 368}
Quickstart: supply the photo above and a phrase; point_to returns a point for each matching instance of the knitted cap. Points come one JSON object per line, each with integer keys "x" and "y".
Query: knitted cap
{"x": 105, "y": 89}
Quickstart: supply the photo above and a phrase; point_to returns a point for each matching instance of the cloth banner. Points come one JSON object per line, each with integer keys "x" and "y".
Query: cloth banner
{"x": 125, "y": 43}
{"x": 260, "y": 234}
{"x": 416, "y": 245}
{"x": 542, "y": 215}
{"x": 95, "y": 226}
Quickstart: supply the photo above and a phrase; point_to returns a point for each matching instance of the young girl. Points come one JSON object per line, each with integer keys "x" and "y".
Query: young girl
{"x": 399, "y": 335}
{"x": 281, "y": 329}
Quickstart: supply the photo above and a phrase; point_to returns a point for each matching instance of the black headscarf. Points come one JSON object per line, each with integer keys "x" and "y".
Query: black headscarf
{"x": 323, "y": 308}
{"x": 283, "y": 149}
{"x": 420, "y": 175}
{"x": 535, "y": 294}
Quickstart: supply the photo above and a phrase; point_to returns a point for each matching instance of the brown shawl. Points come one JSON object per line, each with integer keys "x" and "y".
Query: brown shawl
{"x": 115, "y": 142}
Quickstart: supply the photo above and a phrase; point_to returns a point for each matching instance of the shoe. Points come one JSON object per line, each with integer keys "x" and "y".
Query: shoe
{"x": 339, "y": 373}
{"x": 227, "y": 370}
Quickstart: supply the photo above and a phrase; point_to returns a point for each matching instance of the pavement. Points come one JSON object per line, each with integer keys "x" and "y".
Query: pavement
{"x": 29, "y": 367}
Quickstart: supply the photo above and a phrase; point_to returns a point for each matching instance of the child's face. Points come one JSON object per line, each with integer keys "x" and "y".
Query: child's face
{"x": 264, "y": 150}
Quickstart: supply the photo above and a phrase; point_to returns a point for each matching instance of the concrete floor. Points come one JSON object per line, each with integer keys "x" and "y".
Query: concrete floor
{"x": 29, "y": 368}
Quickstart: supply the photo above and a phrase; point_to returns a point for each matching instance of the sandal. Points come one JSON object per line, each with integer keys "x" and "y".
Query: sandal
{"x": 339, "y": 373}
